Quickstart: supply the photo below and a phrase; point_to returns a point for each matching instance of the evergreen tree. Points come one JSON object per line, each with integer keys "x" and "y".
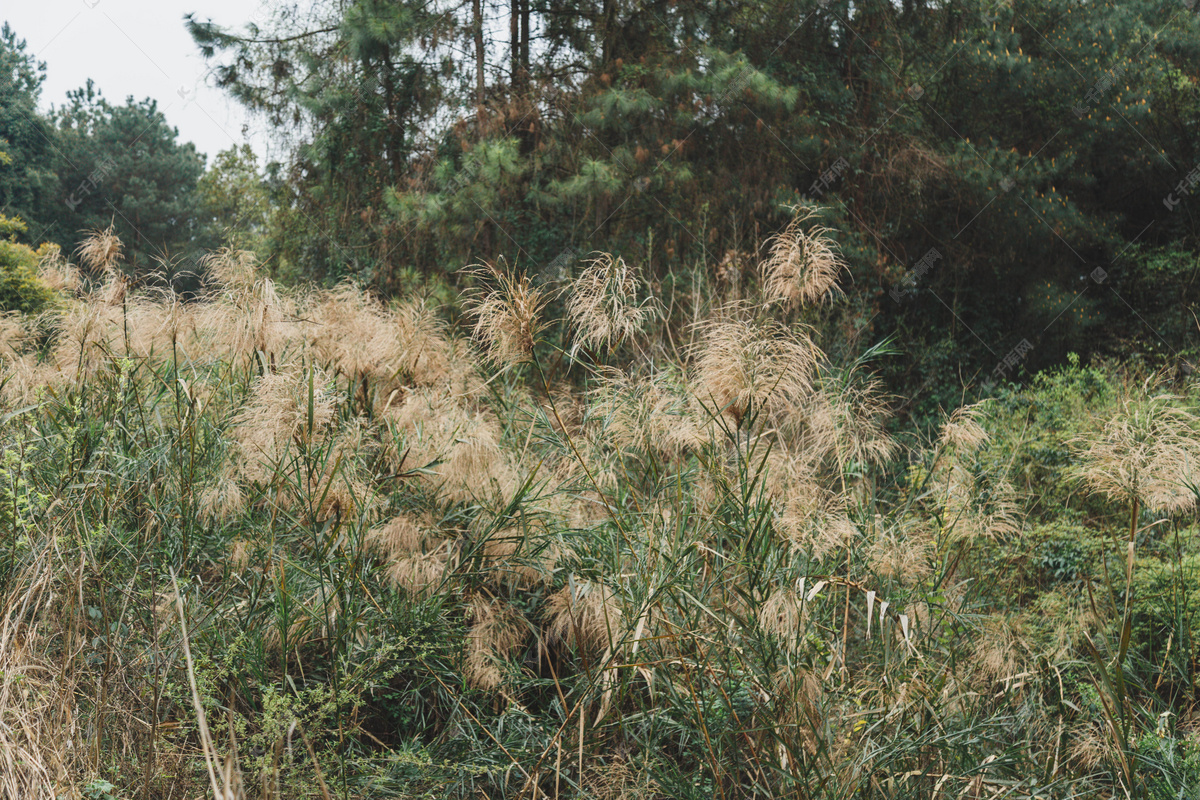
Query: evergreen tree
{"x": 124, "y": 165}
{"x": 29, "y": 188}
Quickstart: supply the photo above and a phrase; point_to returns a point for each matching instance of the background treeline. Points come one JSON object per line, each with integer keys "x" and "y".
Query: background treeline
{"x": 1029, "y": 144}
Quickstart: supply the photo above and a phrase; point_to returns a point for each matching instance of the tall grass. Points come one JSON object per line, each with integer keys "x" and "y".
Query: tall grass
{"x": 295, "y": 542}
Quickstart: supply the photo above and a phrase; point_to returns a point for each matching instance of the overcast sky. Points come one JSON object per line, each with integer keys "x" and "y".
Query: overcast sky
{"x": 139, "y": 48}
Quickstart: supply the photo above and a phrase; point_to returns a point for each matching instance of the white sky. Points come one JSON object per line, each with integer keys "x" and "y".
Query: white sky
{"x": 139, "y": 48}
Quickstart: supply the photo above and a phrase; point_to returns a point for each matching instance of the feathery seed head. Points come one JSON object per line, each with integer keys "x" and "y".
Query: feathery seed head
{"x": 1149, "y": 451}
{"x": 803, "y": 265}
{"x": 584, "y": 614}
{"x": 742, "y": 364}
{"x": 231, "y": 270}
{"x": 101, "y": 250}
{"x": 507, "y": 313}
{"x": 604, "y": 309}
{"x": 496, "y": 633}
{"x": 962, "y": 430}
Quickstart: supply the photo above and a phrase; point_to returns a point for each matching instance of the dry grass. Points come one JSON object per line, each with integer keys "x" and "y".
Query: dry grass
{"x": 720, "y": 565}
{"x": 742, "y": 364}
{"x": 101, "y": 251}
{"x": 507, "y": 311}
{"x": 603, "y": 305}
{"x": 803, "y": 265}
{"x": 1148, "y": 451}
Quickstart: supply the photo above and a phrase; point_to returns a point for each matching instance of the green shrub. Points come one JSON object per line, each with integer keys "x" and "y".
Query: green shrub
{"x": 20, "y": 287}
{"x": 1165, "y": 601}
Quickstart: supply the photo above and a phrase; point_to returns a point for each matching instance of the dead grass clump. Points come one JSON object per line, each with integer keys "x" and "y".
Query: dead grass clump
{"x": 58, "y": 273}
{"x": 278, "y": 418}
{"x": 603, "y": 308}
{"x": 12, "y": 336}
{"x": 901, "y": 553}
{"x": 652, "y": 414}
{"x": 585, "y": 615}
{"x": 1000, "y": 651}
{"x": 100, "y": 251}
{"x": 415, "y": 555}
{"x": 844, "y": 423}
{"x": 456, "y": 450}
{"x": 803, "y": 265}
{"x": 497, "y": 631}
{"x": 741, "y": 365}
{"x": 618, "y": 779}
{"x": 963, "y": 430}
{"x": 1148, "y": 451}
{"x": 815, "y": 521}
{"x": 37, "y": 721}
{"x": 783, "y": 616}
{"x": 507, "y": 311}
{"x": 979, "y": 506}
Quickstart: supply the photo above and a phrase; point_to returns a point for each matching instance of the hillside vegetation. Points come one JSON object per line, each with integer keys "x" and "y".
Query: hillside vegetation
{"x": 590, "y": 538}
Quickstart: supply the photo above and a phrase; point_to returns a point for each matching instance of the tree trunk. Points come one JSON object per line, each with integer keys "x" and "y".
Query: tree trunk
{"x": 514, "y": 43}
{"x": 477, "y": 12}
{"x": 524, "y": 40}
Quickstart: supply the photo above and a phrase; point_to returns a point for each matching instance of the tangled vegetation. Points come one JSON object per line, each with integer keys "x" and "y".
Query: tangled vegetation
{"x": 590, "y": 539}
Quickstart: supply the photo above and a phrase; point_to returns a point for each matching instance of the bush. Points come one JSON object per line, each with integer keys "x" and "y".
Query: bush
{"x": 20, "y": 287}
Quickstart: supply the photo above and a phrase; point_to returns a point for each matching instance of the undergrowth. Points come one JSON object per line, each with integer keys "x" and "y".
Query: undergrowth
{"x": 597, "y": 542}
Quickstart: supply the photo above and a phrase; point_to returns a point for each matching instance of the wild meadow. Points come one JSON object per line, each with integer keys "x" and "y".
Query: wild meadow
{"x": 576, "y": 536}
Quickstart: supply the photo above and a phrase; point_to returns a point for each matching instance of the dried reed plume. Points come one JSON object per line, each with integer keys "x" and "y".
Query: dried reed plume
{"x": 803, "y": 265}
{"x": 12, "y": 335}
{"x": 843, "y": 421}
{"x": 415, "y": 558}
{"x": 1148, "y": 452}
{"x": 229, "y": 269}
{"x": 783, "y": 616}
{"x": 963, "y": 430}
{"x": 742, "y": 365}
{"x": 401, "y": 535}
{"x": 277, "y": 417}
{"x": 250, "y": 317}
{"x": 585, "y": 615}
{"x": 815, "y": 521}
{"x": 57, "y": 273}
{"x": 904, "y": 553}
{"x": 999, "y": 650}
{"x": 603, "y": 308}
{"x": 497, "y": 630}
{"x": 652, "y": 414}
{"x": 979, "y": 506}
{"x": 223, "y": 500}
{"x": 515, "y": 557}
{"x": 457, "y": 449}
{"x": 353, "y": 336}
{"x": 101, "y": 250}
{"x": 507, "y": 313}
